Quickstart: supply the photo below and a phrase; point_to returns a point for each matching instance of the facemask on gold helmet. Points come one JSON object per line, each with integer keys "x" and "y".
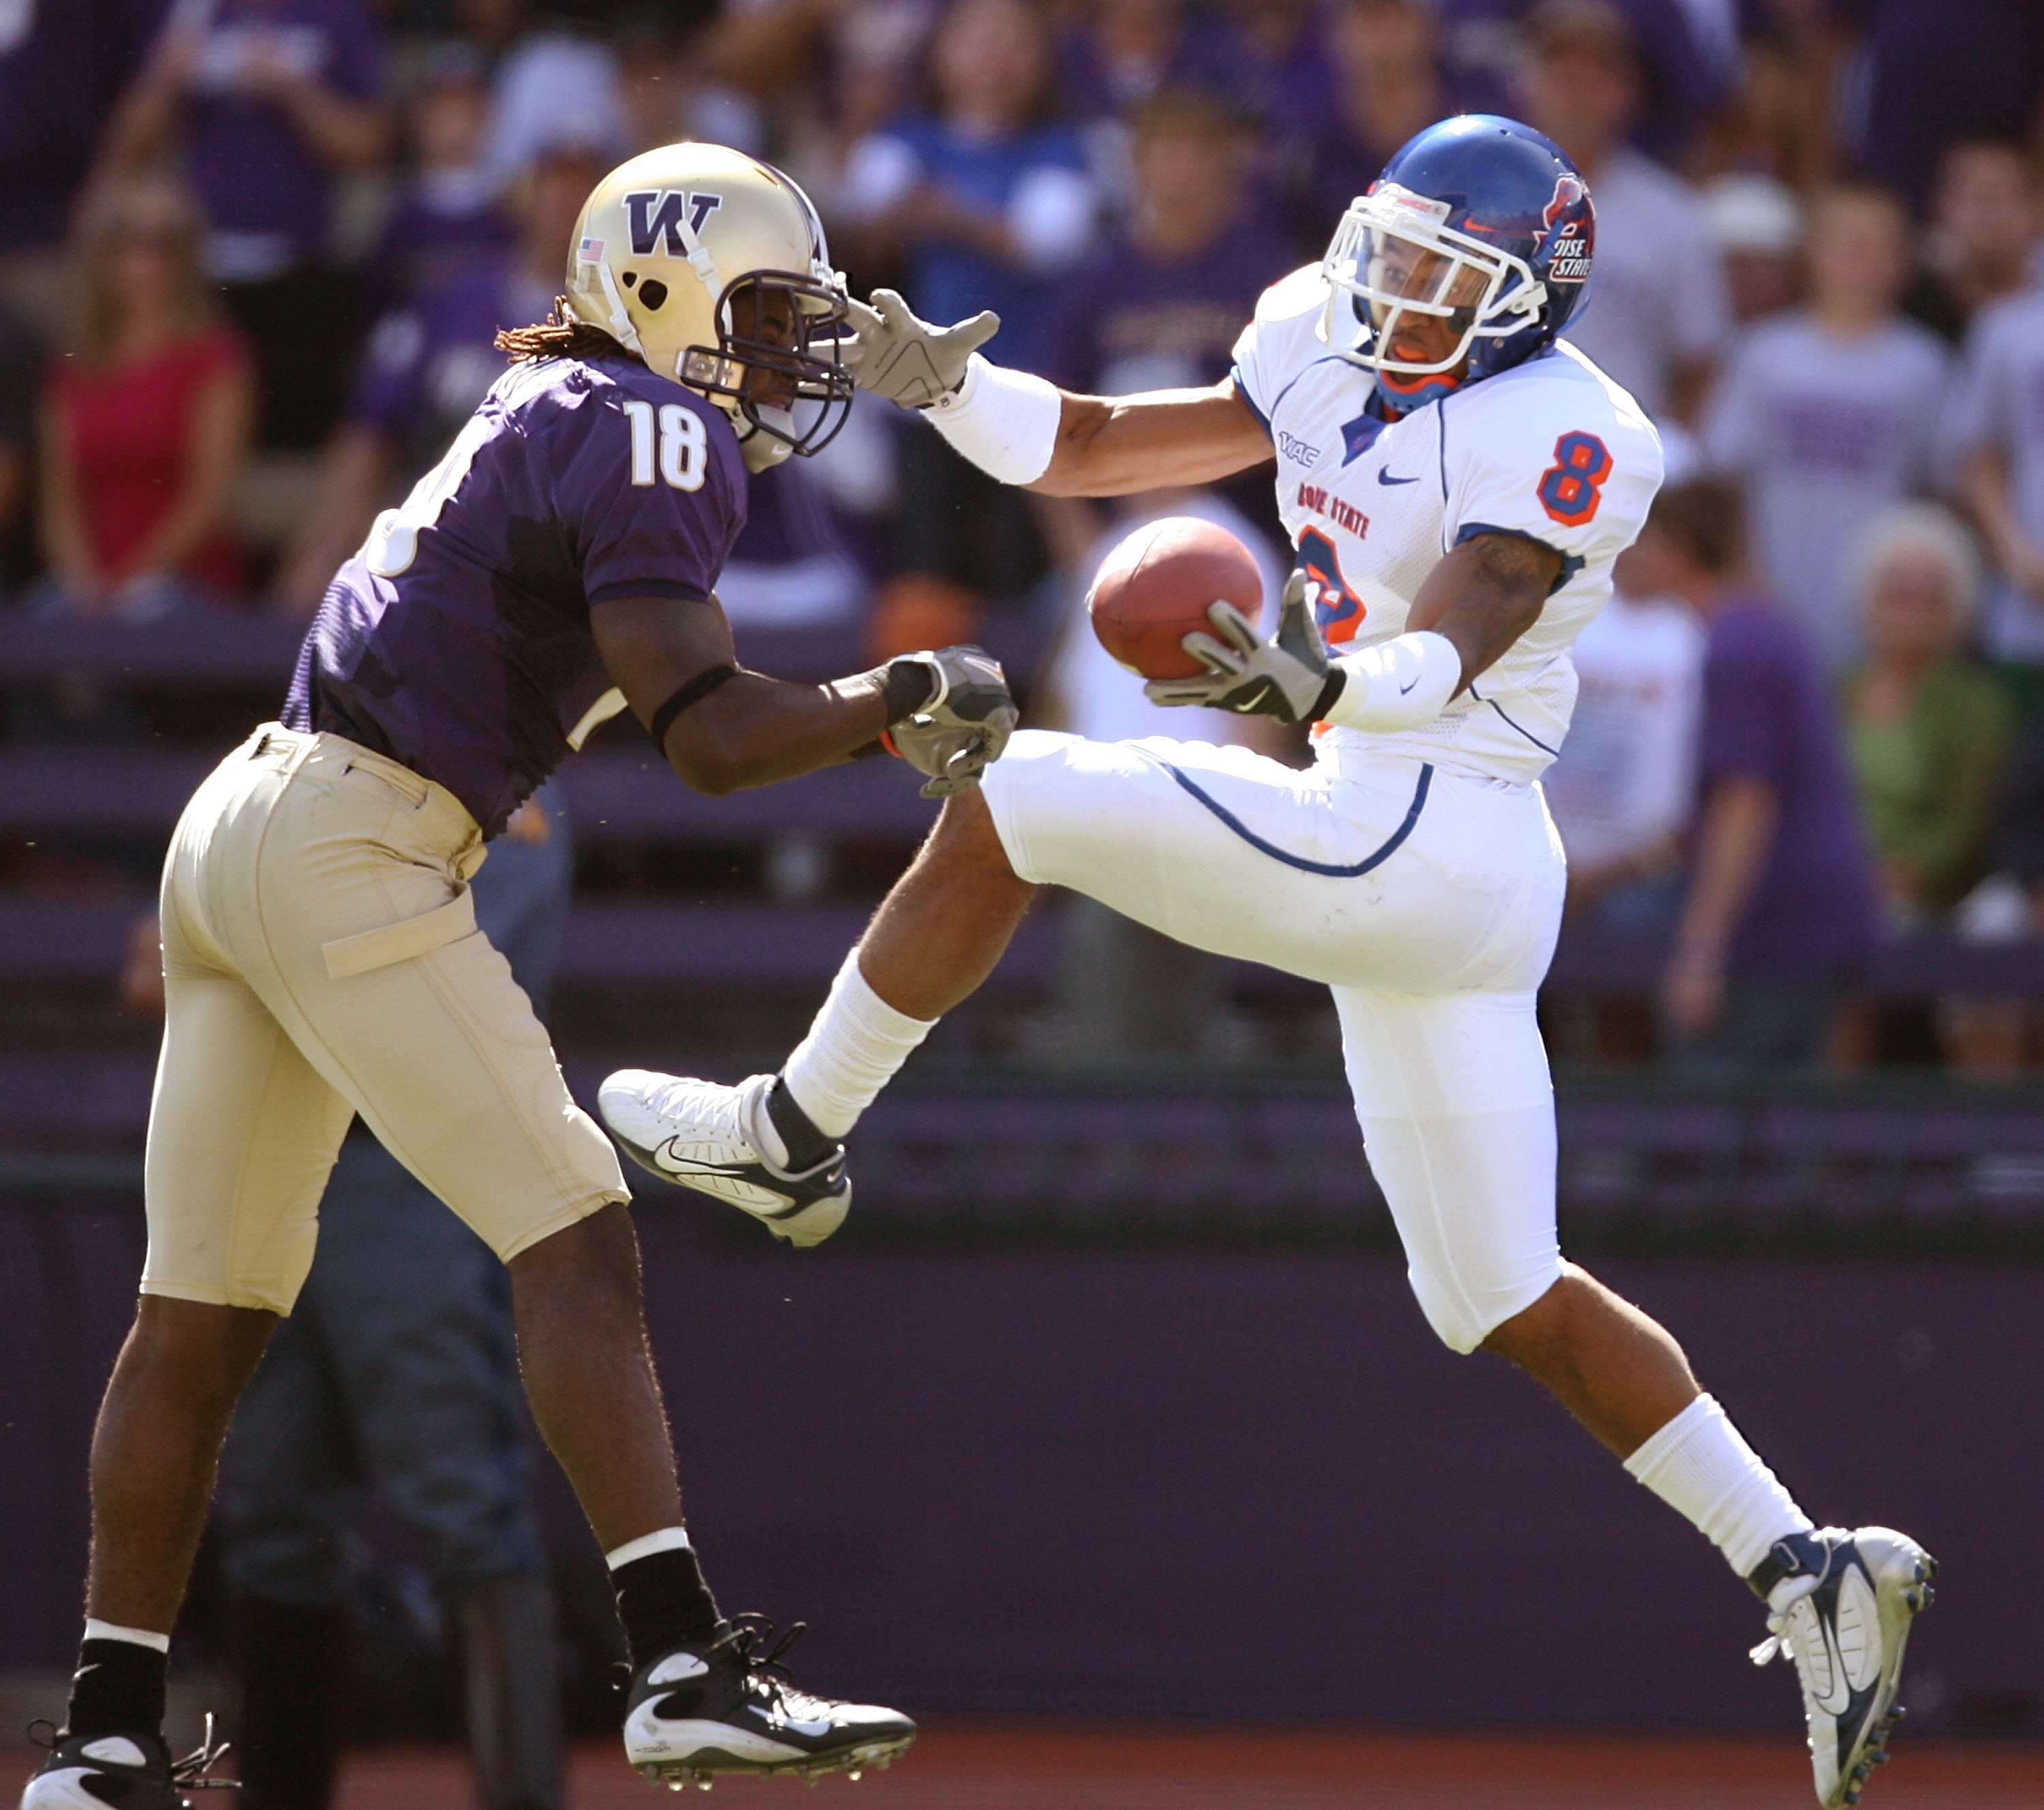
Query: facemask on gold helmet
{"x": 712, "y": 266}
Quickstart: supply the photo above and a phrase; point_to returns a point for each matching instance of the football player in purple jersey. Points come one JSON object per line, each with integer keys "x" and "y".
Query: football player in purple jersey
{"x": 321, "y": 958}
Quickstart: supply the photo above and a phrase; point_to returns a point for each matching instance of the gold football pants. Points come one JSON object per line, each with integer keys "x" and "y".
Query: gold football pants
{"x": 321, "y": 959}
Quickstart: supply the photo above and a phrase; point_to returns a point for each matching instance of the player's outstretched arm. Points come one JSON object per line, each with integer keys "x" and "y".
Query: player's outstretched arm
{"x": 1024, "y": 431}
{"x": 722, "y": 728}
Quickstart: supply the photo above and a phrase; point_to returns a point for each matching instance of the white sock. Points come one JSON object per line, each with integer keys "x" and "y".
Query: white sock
{"x": 1702, "y": 1469}
{"x": 856, "y": 1046}
{"x": 666, "y": 1540}
{"x": 134, "y": 1636}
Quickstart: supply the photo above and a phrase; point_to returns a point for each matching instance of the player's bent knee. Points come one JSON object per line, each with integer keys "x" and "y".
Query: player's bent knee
{"x": 1467, "y": 1320}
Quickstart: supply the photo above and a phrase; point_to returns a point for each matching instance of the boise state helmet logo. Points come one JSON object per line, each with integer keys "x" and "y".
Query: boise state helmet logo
{"x": 1571, "y": 234}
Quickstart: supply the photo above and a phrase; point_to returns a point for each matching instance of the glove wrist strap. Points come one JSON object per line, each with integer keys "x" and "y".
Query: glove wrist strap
{"x": 1004, "y": 421}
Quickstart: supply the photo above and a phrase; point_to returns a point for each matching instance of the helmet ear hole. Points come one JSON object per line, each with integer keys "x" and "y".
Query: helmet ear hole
{"x": 652, "y": 293}
{"x": 629, "y": 279}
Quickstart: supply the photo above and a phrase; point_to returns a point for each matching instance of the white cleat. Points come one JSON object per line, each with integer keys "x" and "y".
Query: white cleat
{"x": 1845, "y": 1635}
{"x": 705, "y": 1135}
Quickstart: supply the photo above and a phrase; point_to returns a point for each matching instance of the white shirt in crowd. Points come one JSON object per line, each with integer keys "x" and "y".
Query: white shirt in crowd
{"x": 1826, "y": 432}
{"x": 1624, "y": 782}
{"x": 1099, "y": 697}
{"x": 1656, "y": 297}
{"x": 1998, "y": 405}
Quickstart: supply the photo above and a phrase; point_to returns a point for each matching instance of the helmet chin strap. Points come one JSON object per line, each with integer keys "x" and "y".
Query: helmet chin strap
{"x": 619, "y": 324}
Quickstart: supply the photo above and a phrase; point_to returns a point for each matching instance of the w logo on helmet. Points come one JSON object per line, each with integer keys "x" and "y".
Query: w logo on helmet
{"x": 1570, "y": 222}
{"x": 673, "y": 215}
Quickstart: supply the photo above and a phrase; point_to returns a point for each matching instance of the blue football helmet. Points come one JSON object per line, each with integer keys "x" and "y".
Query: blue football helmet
{"x": 1479, "y": 219}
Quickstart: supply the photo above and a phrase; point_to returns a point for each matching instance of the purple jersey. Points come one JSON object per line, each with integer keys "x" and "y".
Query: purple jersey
{"x": 458, "y": 640}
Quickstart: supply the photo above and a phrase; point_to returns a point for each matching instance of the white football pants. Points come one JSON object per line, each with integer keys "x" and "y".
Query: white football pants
{"x": 1427, "y": 898}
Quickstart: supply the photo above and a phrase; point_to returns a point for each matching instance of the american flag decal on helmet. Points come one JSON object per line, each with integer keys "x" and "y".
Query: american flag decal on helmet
{"x": 590, "y": 251}
{"x": 1570, "y": 221}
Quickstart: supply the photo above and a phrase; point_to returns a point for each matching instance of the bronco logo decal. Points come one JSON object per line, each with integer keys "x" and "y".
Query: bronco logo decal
{"x": 1570, "y": 221}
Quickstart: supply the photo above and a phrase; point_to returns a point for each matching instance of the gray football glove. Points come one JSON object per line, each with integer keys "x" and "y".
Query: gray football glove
{"x": 964, "y": 724}
{"x": 1288, "y": 677}
{"x": 895, "y": 355}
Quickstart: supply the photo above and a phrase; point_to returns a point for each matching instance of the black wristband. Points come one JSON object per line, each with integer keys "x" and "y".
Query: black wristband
{"x": 1337, "y": 683}
{"x": 906, "y": 686}
{"x": 694, "y": 692}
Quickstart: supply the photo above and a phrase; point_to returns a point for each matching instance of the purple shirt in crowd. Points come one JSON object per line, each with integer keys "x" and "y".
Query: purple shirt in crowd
{"x": 63, "y": 65}
{"x": 265, "y": 190}
{"x": 1767, "y": 716}
{"x": 1127, "y": 321}
{"x": 457, "y": 640}
{"x": 427, "y": 366}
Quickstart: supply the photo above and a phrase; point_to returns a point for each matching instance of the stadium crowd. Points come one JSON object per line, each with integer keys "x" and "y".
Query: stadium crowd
{"x": 253, "y": 254}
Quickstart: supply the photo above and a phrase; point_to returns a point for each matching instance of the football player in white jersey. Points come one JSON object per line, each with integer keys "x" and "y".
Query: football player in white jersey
{"x": 1457, "y": 481}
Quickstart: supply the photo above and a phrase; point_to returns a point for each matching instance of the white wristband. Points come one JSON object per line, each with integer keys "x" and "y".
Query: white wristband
{"x": 1398, "y": 684}
{"x": 1004, "y": 421}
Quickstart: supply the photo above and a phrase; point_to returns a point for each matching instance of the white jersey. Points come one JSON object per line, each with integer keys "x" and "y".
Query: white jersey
{"x": 1552, "y": 449}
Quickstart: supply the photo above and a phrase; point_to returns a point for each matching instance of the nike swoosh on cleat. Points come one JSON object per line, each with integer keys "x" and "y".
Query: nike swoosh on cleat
{"x": 1385, "y": 478}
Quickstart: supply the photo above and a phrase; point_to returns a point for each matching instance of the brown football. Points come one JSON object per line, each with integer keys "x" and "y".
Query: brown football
{"x": 1153, "y": 590}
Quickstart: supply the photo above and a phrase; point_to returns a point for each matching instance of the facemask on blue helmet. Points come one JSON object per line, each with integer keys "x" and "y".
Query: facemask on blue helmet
{"x": 1464, "y": 259}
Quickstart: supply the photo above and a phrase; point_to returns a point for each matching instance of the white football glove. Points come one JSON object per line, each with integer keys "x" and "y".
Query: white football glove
{"x": 894, "y": 354}
{"x": 964, "y": 725}
{"x": 1288, "y": 677}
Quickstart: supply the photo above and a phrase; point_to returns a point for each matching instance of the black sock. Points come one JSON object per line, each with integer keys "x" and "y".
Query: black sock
{"x": 117, "y": 1690}
{"x": 663, "y": 1601}
{"x": 806, "y": 1147}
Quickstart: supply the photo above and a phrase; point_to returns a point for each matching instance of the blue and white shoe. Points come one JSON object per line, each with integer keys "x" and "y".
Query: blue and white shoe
{"x": 1844, "y": 1634}
{"x": 136, "y": 1772}
{"x": 725, "y": 1705}
{"x": 705, "y": 1135}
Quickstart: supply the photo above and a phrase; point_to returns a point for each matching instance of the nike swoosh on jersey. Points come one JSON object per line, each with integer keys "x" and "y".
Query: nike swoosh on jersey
{"x": 1385, "y": 478}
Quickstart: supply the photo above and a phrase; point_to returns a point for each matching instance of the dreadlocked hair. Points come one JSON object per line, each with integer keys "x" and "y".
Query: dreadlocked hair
{"x": 560, "y": 336}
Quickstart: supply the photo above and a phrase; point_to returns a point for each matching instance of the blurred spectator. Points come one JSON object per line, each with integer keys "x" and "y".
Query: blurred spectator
{"x": 987, "y": 201}
{"x": 1926, "y": 729}
{"x": 1389, "y": 84}
{"x": 1826, "y": 414}
{"x": 984, "y": 197}
{"x": 146, "y": 417}
{"x": 428, "y": 366}
{"x": 1284, "y": 80}
{"x": 664, "y": 99}
{"x": 1656, "y": 315}
{"x": 1116, "y": 54}
{"x": 1779, "y": 913}
{"x": 1982, "y": 244}
{"x": 1160, "y": 307}
{"x": 1622, "y": 789}
{"x": 1757, "y": 224}
{"x": 20, "y": 364}
{"x": 1938, "y": 71}
{"x": 553, "y": 83}
{"x": 446, "y": 217}
{"x": 271, "y": 99}
{"x": 1781, "y": 121}
{"x": 790, "y": 566}
{"x": 63, "y": 65}
{"x": 1994, "y": 448}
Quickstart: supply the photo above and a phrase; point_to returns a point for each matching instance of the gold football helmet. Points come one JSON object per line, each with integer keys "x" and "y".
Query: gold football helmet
{"x": 712, "y": 266}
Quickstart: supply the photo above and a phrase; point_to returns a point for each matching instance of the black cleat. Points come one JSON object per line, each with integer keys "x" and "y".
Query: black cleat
{"x": 130, "y": 1772}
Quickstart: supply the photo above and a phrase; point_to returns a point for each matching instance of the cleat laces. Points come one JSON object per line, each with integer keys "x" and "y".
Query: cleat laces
{"x": 751, "y": 1641}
